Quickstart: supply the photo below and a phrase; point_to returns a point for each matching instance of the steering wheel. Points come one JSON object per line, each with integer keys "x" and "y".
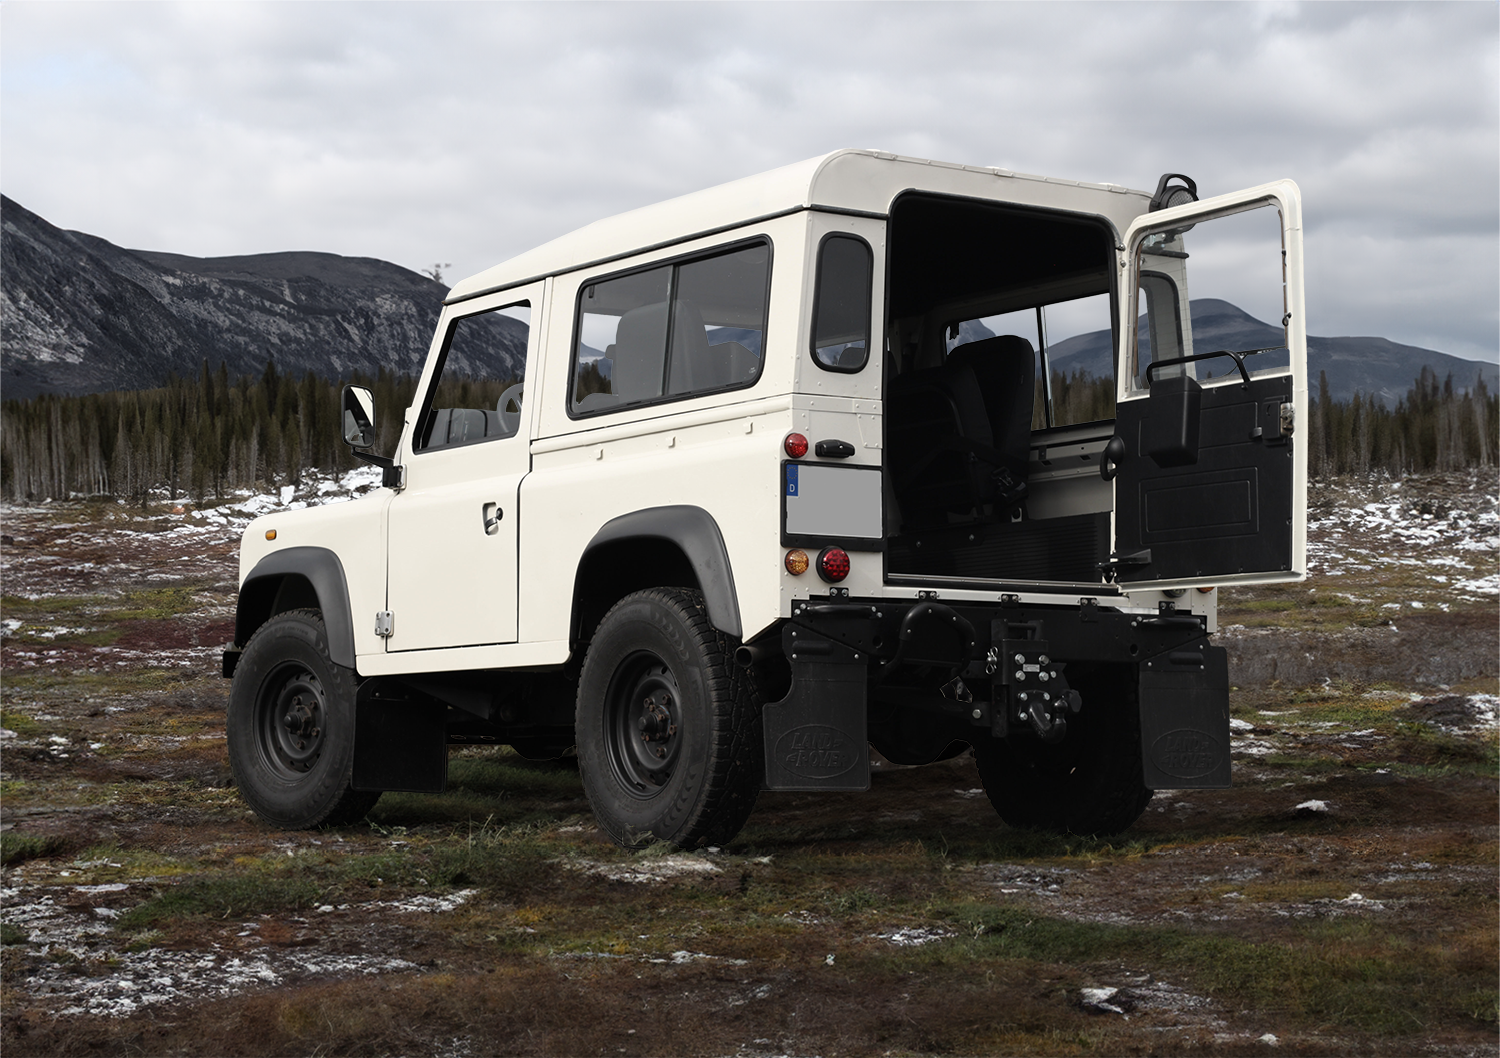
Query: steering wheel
{"x": 508, "y": 407}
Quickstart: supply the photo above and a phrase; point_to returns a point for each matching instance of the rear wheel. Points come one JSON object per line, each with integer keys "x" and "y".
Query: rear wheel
{"x": 668, "y": 728}
{"x": 1091, "y": 782}
{"x": 291, "y": 727}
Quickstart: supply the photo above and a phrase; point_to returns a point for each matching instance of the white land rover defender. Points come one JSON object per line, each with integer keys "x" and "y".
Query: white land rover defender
{"x": 864, "y": 451}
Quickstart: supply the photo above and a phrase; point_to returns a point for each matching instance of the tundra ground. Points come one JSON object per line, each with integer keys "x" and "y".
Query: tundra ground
{"x": 1340, "y": 899}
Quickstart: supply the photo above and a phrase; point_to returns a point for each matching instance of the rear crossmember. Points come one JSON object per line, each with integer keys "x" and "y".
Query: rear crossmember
{"x": 994, "y": 670}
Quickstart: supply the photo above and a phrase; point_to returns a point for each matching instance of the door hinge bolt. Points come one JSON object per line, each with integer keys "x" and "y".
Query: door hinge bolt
{"x": 385, "y": 624}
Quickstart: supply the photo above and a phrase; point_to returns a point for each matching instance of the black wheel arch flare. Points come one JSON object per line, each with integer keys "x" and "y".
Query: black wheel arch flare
{"x": 281, "y": 581}
{"x": 687, "y": 541}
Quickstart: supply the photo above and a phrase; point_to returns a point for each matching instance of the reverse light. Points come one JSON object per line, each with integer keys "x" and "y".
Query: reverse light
{"x": 833, "y": 564}
{"x": 795, "y": 445}
{"x": 796, "y": 562}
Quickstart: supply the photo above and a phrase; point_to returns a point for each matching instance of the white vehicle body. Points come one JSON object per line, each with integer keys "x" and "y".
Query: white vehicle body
{"x": 478, "y": 562}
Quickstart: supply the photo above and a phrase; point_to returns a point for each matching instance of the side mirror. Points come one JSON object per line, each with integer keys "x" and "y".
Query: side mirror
{"x": 359, "y": 417}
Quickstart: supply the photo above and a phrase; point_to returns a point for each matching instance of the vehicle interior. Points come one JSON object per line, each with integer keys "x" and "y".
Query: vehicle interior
{"x": 992, "y": 471}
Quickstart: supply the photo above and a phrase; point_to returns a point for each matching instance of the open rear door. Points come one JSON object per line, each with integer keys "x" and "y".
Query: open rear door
{"x": 1208, "y": 458}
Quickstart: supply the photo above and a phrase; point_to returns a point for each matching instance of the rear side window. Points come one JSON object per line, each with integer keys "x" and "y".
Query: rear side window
{"x": 678, "y": 330}
{"x": 841, "y": 304}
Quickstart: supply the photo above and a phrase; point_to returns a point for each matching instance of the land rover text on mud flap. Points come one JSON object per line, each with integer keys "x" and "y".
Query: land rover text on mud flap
{"x": 864, "y": 451}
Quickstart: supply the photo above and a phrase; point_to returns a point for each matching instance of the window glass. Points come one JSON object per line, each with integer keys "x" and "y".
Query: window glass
{"x": 841, "y": 319}
{"x": 672, "y": 331}
{"x": 478, "y": 391}
{"x": 1074, "y": 345}
{"x": 1237, "y": 301}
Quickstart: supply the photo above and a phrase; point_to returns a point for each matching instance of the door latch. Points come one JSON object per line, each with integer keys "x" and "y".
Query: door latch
{"x": 492, "y": 516}
{"x": 385, "y": 624}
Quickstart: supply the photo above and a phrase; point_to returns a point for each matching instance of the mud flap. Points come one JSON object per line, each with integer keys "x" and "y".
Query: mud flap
{"x": 1185, "y": 719}
{"x": 815, "y": 736}
{"x": 400, "y": 745}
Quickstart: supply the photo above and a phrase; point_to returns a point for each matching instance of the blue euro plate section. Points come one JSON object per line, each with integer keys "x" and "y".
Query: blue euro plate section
{"x": 791, "y": 479}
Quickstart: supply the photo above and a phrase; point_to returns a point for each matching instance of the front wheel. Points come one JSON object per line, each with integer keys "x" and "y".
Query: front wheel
{"x": 291, "y": 727}
{"x": 1091, "y": 782}
{"x": 668, "y": 728}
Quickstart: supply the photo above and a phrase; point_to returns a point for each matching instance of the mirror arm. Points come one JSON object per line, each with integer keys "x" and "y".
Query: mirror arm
{"x": 392, "y": 474}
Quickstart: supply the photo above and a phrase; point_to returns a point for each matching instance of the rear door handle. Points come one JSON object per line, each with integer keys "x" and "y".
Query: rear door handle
{"x": 492, "y": 516}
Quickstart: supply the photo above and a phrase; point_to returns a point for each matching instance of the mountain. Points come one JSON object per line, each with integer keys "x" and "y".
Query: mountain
{"x": 1373, "y": 366}
{"x": 81, "y": 315}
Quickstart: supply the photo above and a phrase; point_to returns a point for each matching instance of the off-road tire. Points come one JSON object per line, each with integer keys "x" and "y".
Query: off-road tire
{"x": 1089, "y": 783}
{"x": 685, "y": 768}
{"x": 291, "y": 727}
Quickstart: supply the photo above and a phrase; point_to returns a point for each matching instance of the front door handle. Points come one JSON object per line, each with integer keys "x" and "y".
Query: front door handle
{"x": 492, "y": 516}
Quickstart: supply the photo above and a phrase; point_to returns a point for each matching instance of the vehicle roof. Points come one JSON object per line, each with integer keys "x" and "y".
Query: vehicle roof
{"x": 861, "y": 181}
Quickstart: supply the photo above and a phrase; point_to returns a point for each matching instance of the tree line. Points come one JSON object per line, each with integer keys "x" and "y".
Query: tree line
{"x": 196, "y": 438}
{"x": 208, "y": 437}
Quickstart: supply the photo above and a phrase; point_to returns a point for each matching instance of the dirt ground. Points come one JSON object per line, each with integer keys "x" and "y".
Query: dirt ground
{"x": 1340, "y": 899}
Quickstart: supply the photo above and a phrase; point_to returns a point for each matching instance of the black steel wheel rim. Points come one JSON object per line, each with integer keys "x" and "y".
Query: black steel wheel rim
{"x": 642, "y": 716}
{"x": 291, "y": 721}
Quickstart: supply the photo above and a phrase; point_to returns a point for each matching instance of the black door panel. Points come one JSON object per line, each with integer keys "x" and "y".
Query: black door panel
{"x": 1228, "y": 513}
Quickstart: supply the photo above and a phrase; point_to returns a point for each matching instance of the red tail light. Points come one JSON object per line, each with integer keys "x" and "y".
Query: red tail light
{"x": 795, "y": 445}
{"x": 833, "y": 564}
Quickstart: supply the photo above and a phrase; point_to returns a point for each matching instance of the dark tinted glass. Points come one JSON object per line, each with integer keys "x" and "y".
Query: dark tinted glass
{"x": 672, "y": 331}
{"x": 841, "y": 322}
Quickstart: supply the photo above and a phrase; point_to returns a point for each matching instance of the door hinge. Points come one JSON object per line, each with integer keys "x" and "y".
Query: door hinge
{"x": 385, "y": 624}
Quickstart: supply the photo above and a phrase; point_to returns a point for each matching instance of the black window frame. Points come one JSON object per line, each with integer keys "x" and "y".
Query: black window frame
{"x": 812, "y": 332}
{"x": 430, "y": 394}
{"x": 674, "y": 263}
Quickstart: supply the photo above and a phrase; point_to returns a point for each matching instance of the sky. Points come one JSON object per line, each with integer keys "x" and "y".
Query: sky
{"x": 464, "y": 133}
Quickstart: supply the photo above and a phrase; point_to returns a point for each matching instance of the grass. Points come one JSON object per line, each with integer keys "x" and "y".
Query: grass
{"x": 16, "y": 848}
{"x": 225, "y": 896}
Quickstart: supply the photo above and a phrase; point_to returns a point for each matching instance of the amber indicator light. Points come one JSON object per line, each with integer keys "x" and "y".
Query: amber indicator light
{"x": 270, "y": 534}
{"x": 796, "y": 562}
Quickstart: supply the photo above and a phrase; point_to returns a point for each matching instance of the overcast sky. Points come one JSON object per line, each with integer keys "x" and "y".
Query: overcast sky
{"x": 468, "y": 132}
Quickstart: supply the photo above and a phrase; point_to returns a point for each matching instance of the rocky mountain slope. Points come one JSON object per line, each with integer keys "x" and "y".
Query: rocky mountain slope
{"x": 1375, "y": 366}
{"x": 81, "y": 315}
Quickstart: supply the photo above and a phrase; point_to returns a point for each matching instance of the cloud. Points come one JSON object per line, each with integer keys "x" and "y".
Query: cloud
{"x": 471, "y": 132}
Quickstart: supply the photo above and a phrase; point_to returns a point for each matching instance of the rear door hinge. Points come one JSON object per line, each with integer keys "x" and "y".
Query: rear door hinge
{"x": 385, "y": 624}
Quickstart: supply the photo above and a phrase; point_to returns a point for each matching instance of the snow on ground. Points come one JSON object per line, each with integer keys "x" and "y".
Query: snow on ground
{"x": 1447, "y": 527}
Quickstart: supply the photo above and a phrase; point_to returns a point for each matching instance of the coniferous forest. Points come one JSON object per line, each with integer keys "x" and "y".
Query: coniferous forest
{"x": 203, "y": 438}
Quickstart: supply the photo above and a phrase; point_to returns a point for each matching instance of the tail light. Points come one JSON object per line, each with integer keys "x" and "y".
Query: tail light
{"x": 833, "y": 564}
{"x": 795, "y": 445}
{"x": 796, "y": 562}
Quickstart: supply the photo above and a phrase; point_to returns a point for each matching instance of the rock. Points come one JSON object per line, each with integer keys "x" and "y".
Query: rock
{"x": 1308, "y": 809}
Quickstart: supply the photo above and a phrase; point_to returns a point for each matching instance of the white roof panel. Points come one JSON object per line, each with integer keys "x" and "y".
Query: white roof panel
{"x": 862, "y": 181}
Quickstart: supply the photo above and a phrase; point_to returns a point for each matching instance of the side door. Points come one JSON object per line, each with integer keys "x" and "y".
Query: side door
{"x": 1210, "y": 469}
{"x": 453, "y": 543}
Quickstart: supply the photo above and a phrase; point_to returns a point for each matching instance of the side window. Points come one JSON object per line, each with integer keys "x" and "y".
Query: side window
{"x": 1159, "y": 327}
{"x": 1073, "y": 345}
{"x": 674, "y": 331}
{"x": 841, "y": 304}
{"x": 477, "y": 391}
